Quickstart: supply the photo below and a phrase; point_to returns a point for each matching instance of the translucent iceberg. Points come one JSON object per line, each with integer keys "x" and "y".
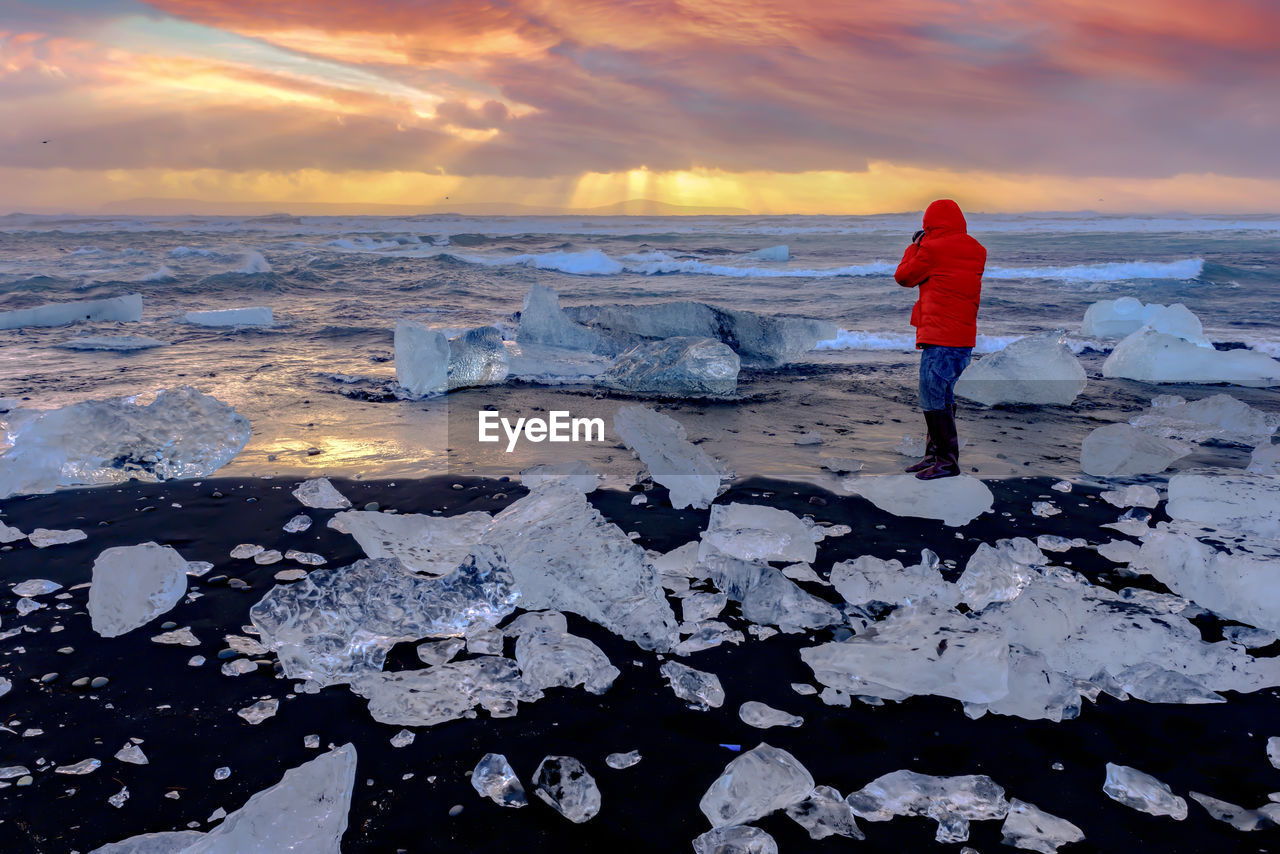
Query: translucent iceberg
{"x": 495, "y": 779}
{"x": 1221, "y": 417}
{"x": 257, "y": 315}
{"x": 677, "y": 367}
{"x": 755, "y": 784}
{"x": 758, "y": 532}
{"x": 698, "y": 688}
{"x": 1115, "y": 450}
{"x": 1155, "y": 357}
{"x": 766, "y": 596}
{"x": 825, "y": 813}
{"x": 1268, "y": 816}
{"x": 563, "y": 555}
{"x": 869, "y": 579}
{"x": 577, "y": 473}
{"x": 477, "y": 357}
{"x": 735, "y": 839}
{"x": 180, "y": 434}
{"x": 762, "y": 716}
{"x": 1116, "y": 318}
{"x": 690, "y": 474}
{"x": 319, "y": 493}
{"x": 563, "y": 782}
{"x": 126, "y": 309}
{"x": 1032, "y": 829}
{"x": 951, "y": 801}
{"x": 132, "y": 585}
{"x": 432, "y": 545}
{"x": 555, "y": 659}
{"x": 1140, "y": 791}
{"x": 429, "y": 363}
{"x": 444, "y": 692}
{"x": 999, "y": 573}
{"x": 1038, "y": 369}
{"x": 1247, "y": 503}
{"x": 1137, "y": 495}
{"x": 954, "y": 500}
{"x": 543, "y": 322}
{"x": 337, "y": 624}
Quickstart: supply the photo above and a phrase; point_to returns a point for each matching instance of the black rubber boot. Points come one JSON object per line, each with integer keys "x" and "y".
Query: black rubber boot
{"x": 931, "y": 444}
{"x": 947, "y": 460}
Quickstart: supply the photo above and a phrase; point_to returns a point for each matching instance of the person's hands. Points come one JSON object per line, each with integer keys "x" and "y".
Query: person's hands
{"x": 916, "y": 237}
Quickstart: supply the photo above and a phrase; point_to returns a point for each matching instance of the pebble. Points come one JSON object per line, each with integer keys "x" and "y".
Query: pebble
{"x": 99, "y": 682}
{"x": 26, "y": 780}
{"x": 82, "y": 682}
{"x": 217, "y": 494}
{"x": 372, "y": 505}
{"x": 454, "y": 810}
{"x": 169, "y": 624}
{"x": 67, "y": 650}
{"x": 458, "y": 486}
{"x": 311, "y": 452}
{"x": 48, "y": 677}
{"x": 227, "y": 653}
{"x": 237, "y": 584}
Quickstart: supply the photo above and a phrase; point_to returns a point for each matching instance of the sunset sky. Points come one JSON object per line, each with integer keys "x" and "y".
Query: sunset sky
{"x": 773, "y": 106}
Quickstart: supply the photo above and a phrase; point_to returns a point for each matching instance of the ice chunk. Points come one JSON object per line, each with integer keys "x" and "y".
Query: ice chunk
{"x": 1116, "y": 318}
{"x": 132, "y": 754}
{"x": 433, "y": 545}
{"x": 79, "y": 769}
{"x": 320, "y": 494}
{"x": 42, "y": 538}
{"x": 179, "y": 637}
{"x": 954, "y": 500}
{"x": 767, "y": 596}
{"x": 951, "y": 801}
{"x": 841, "y": 465}
{"x": 1032, "y": 829}
{"x": 127, "y": 309}
{"x": 1273, "y": 750}
{"x": 543, "y": 322}
{"x": 444, "y": 692}
{"x": 999, "y": 573}
{"x": 35, "y": 587}
{"x": 1132, "y": 496}
{"x": 697, "y": 607}
{"x": 531, "y": 621}
{"x": 679, "y": 367}
{"x": 1115, "y": 450}
{"x": 735, "y": 839}
{"x": 1247, "y": 637}
{"x": 869, "y": 579}
{"x": 421, "y": 358}
{"x": 1220, "y": 417}
{"x": 297, "y": 524}
{"x": 1118, "y": 551}
{"x": 131, "y": 585}
{"x": 181, "y": 434}
{"x": 662, "y": 444}
{"x": 619, "y": 761}
{"x": 161, "y": 842}
{"x": 113, "y": 343}
{"x": 824, "y": 813}
{"x": 336, "y": 624}
{"x": 698, "y": 688}
{"x": 577, "y": 473}
{"x": 551, "y": 659}
{"x": 564, "y": 783}
{"x": 438, "y": 652}
{"x": 563, "y": 555}
{"x": 1239, "y": 817}
{"x": 1155, "y": 357}
{"x": 1178, "y": 321}
{"x": 755, "y": 784}
{"x": 757, "y": 532}
{"x": 477, "y": 357}
{"x": 255, "y": 315}
{"x": 1265, "y": 459}
{"x": 1038, "y": 369}
{"x": 10, "y": 534}
{"x": 1140, "y": 791}
{"x": 1246, "y": 503}
{"x": 495, "y": 779}
{"x": 762, "y": 716}
{"x": 258, "y": 712}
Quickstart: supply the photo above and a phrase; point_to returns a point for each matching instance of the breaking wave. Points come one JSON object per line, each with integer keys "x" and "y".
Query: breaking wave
{"x": 1186, "y": 268}
{"x": 905, "y": 342}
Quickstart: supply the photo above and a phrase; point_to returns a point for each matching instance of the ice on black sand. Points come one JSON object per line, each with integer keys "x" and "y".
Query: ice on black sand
{"x": 495, "y": 779}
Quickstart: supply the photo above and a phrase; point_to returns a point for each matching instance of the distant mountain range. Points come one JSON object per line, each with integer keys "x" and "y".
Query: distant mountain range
{"x": 178, "y": 207}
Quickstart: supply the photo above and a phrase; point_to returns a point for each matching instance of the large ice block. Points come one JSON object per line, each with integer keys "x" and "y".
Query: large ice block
{"x": 1116, "y": 318}
{"x": 132, "y": 585}
{"x": 432, "y": 545}
{"x": 257, "y": 315}
{"x": 554, "y": 659}
{"x": 675, "y": 367}
{"x": 1039, "y": 369}
{"x": 950, "y": 801}
{"x": 126, "y": 308}
{"x": 767, "y": 597}
{"x": 429, "y": 363}
{"x": 543, "y": 322}
{"x": 1221, "y": 417}
{"x": 1115, "y": 450}
{"x": 954, "y": 500}
{"x": 1249, "y": 503}
{"x": 1156, "y": 357}
{"x": 690, "y": 474}
{"x": 758, "y": 532}
{"x": 758, "y": 782}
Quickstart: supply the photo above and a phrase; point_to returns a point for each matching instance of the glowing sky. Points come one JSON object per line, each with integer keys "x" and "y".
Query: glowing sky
{"x": 804, "y": 106}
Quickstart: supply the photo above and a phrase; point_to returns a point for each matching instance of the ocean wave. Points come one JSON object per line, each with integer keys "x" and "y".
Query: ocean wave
{"x": 1183, "y": 269}
{"x": 593, "y": 262}
{"x": 905, "y": 342}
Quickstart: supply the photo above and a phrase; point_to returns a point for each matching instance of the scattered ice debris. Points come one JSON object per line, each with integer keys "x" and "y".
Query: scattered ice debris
{"x": 260, "y": 711}
{"x": 869, "y": 579}
{"x": 767, "y": 597}
{"x": 1221, "y": 417}
{"x": 311, "y": 742}
{"x": 428, "y": 363}
{"x": 950, "y": 801}
{"x": 550, "y": 659}
{"x": 304, "y": 558}
{"x": 444, "y": 692}
{"x": 118, "y": 799}
{"x": 762, "y": 716}
{"x": 423, "y": 543}
{"x": 564, "y": 555}
{"x": 679, "y": 367}
{"x": 8, "y": 772}
{"x": 35, "y": 587}
{"x": 1036, "y": 369}
{"x": 84, "y": 766}
{"x": 132, "y": 754}
{"x": 179, "y": 637}
{"x": 1115, "y": 450}
{"x": 618, "y": 761}
{"x": 244, "y": 645}
{"x": 757, "y": 532}
{"x": 403, "y": 738}
{"x": 1032, "y": 829}
{"x": 1116, "y": 318}
{"x": 336, "y": 624}
{"x": 239, "y": 667}
{"x": 318, "y": 493}
{"x": 27, "y": 606}
{"x": 134, "y": 584}
{"x": 198, "y": 568}
{"x": 1062, "y": 486}
{"x": 690, "y": 474}
{"x": 1132, "y": 496}
{"x": 124, "y": 309}
{"x": 564, "y": 783}
{"x": 1156, "y": 357}
{"x": 1267, "y": 816}
{"x": 297, "y": 524}
{"x": 824, "y": 813}
{"x": 42, "y": 538}
{"x": 954, "y": 500}
{"x": 439, "y": 652}
{"x": 180, "y": 434}
{"x": 112, "y": 343}
{"x": 9, "y": 534}
{"x": 841, "y": 465}
{"x": 1044, "y": 509}
{"x": 577, "y": 474}
{"x": 735, "y": 839}
{"x": 267, "y": 557}
{"x": 755, "y": 784}
{"x": 1140, "y": 791}
{"x": 495, "y": 779}
{"x": 701, "y": 690}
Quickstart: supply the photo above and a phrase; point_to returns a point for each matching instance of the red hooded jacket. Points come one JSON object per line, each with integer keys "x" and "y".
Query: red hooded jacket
{"x": 946, "y": 264}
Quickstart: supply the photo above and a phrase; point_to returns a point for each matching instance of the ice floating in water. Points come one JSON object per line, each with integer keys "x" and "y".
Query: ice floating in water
{"x": 1038, "y": 369}
{"x": 551, "y": 659}
{"x": 181, "y": 434}
{"x": 954, "y": 500}
{"x": 337, "y": 624}
{"x": 824, "y": 813}
{"x": 1032, "y": 829}
{"x": 698, "y": 688}
{"x": 757, "y": 532}
{"x": 692, "y": 476}
{"x": 768, "y": 597}
{"x": 126, "y": 309}
{"x": 1220, "y": 417}
{"x": 679, "y": 367}
{"x": 754, "y": 785}
{"x": 950, "y": 801}
{"x": 433, "y": 545}
{"x": 429, "y": 363}
{"x": 444, "y": 692}
{"x": 114, "y": 343}
{"x": 320, "y": 494}
{"x": 869, "y": 579}
{"x": 735, "y": 839}
{"x": 1155, "y": 357}
{"x": 1140, "y": 791}
{"x": 134, "y": 584}
{"x": 564, "y": 555}
{"x": 564, "y": 783}
{"x": 495, "y": 779}
{"x": 577, "y": 473}
{"x": 1115, "y": 450}
{"x": 1136, "y": 495}
{"x": 762, "y": 716}
{"x": 1116, "y": 318}
{"x": 257, "y": 315}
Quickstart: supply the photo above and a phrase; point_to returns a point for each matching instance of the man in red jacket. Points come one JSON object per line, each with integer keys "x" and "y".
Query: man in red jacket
{"x": 946, "y": 264}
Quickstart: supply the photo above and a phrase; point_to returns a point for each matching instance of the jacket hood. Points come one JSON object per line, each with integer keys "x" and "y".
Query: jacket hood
{"x": 944, "y": 215}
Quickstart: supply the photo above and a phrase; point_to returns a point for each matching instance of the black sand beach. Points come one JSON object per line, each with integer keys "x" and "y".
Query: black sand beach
{"x": 186, "y": 716}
